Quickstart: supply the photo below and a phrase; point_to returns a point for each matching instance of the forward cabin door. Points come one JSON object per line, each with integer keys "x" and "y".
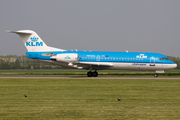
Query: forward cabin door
{"x": 152, "y": 61}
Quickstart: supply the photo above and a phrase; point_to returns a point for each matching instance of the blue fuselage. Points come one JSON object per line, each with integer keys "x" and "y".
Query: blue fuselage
{"x": 97, "y": 56}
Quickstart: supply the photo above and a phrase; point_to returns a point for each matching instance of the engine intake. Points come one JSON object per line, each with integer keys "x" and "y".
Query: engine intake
{"x": 70, "y": 57}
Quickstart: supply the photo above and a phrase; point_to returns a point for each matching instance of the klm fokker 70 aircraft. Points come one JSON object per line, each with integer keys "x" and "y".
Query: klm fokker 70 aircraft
{"x": 93, "y": 60}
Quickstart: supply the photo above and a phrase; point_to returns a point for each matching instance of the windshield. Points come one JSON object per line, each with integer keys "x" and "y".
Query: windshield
{"x": 162, "y": 58}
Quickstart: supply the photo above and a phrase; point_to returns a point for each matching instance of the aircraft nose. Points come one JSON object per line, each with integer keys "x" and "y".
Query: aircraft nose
{"x": 169, "y": 66}
{"x": 174, "y": 65}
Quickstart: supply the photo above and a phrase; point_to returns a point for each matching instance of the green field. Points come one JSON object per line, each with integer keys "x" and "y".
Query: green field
{"x": 89, "y": 99}
{"x": 67, "y": 72}
{"x": 75, "y": 71}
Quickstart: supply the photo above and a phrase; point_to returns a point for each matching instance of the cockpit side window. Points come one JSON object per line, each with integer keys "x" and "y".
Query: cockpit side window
{"x": 163, "y": 59}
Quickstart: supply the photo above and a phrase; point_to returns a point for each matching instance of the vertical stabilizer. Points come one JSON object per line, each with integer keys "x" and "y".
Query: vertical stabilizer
{"x": 33, "y": 42}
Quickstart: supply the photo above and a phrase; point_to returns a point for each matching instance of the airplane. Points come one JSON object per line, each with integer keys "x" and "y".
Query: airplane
{"x": 93, "y": 60}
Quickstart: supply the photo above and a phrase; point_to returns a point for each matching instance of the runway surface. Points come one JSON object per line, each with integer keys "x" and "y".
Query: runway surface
{"x": 29, "y": 77}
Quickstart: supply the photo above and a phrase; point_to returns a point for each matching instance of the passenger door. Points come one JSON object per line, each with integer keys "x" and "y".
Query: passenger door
{"x": 152, "y": 61}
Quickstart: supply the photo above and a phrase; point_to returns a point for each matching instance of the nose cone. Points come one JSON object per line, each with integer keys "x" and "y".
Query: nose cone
{"x": 174, "y": 65}
{"x": 169, "y": 66}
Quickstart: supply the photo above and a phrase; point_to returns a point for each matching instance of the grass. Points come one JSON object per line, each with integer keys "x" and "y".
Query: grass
{"x": 75, "y": 71}
{"x": 89, "y": 99}
{"x": 67, "y": 72}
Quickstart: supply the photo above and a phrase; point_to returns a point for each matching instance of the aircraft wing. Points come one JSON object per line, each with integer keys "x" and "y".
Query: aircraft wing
{"x": 77, "y": 64}
{"x": 97, "y": 64}
{"x": 94, "y": 65}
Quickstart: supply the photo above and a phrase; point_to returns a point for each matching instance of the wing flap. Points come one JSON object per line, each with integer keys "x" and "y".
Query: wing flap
{"x": 97, "y": 64}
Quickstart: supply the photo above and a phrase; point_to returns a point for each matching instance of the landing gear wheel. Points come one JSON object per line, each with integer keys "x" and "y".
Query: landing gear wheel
{"x": 89, "y": 74}
{"x": 155, "y": 75}
{"x": 95, "y": 74}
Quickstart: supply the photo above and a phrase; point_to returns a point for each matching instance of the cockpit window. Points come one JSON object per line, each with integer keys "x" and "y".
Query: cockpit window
{"x": 163, "y": 59}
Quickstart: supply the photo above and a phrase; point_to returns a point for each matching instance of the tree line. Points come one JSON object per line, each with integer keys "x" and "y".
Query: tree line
{"x": 22, "y": 62}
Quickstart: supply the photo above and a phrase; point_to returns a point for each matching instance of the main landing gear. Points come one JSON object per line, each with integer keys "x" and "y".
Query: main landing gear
{"x": 155, "y": 75}
{"x": 90, "y": 74}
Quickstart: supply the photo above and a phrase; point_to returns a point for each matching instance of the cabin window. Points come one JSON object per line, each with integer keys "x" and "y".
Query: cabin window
{"x": 122, "y": 58}
{"x": 80, "y": 57}
{"x": 142, "y": 59}
{"x": 136, "y": 58}
{"x": 85, "y": 57}
{"x": 108, "y": 58}
{"x": 128, "y": 58}
{"x": 119, "y": 58}
{"x": 131, "y": 58}
{"x": 114, "y": 58}
{"x": 111, "y": 58}
{"x": 125, "y": 58}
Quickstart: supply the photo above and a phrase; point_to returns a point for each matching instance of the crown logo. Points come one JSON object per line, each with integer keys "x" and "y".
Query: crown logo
{"x": 34, "y": 38}
{"x": 67, "y": 57}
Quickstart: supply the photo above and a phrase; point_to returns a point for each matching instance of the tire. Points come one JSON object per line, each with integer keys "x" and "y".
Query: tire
{"x": 155, "y": 75}
{"x": 89, "y": 74}
{"x": 95, "y": 74}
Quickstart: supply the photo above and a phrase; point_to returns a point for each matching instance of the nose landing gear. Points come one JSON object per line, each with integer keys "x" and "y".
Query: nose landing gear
{"x": 155, "y": 75}
{"x": 92, "y": 74}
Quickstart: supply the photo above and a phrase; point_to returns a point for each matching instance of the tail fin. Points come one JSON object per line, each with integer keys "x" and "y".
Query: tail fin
{"x": 33, "y": 42}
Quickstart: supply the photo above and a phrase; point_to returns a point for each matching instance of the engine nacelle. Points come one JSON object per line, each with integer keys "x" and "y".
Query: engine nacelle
{"x": 70, "y": 57}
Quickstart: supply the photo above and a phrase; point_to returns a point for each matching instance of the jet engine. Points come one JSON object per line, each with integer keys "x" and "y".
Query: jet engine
{"x": 70, "y": 57}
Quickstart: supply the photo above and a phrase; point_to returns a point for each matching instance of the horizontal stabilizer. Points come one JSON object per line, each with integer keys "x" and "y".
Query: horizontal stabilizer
{"x": 28, "y": 32}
